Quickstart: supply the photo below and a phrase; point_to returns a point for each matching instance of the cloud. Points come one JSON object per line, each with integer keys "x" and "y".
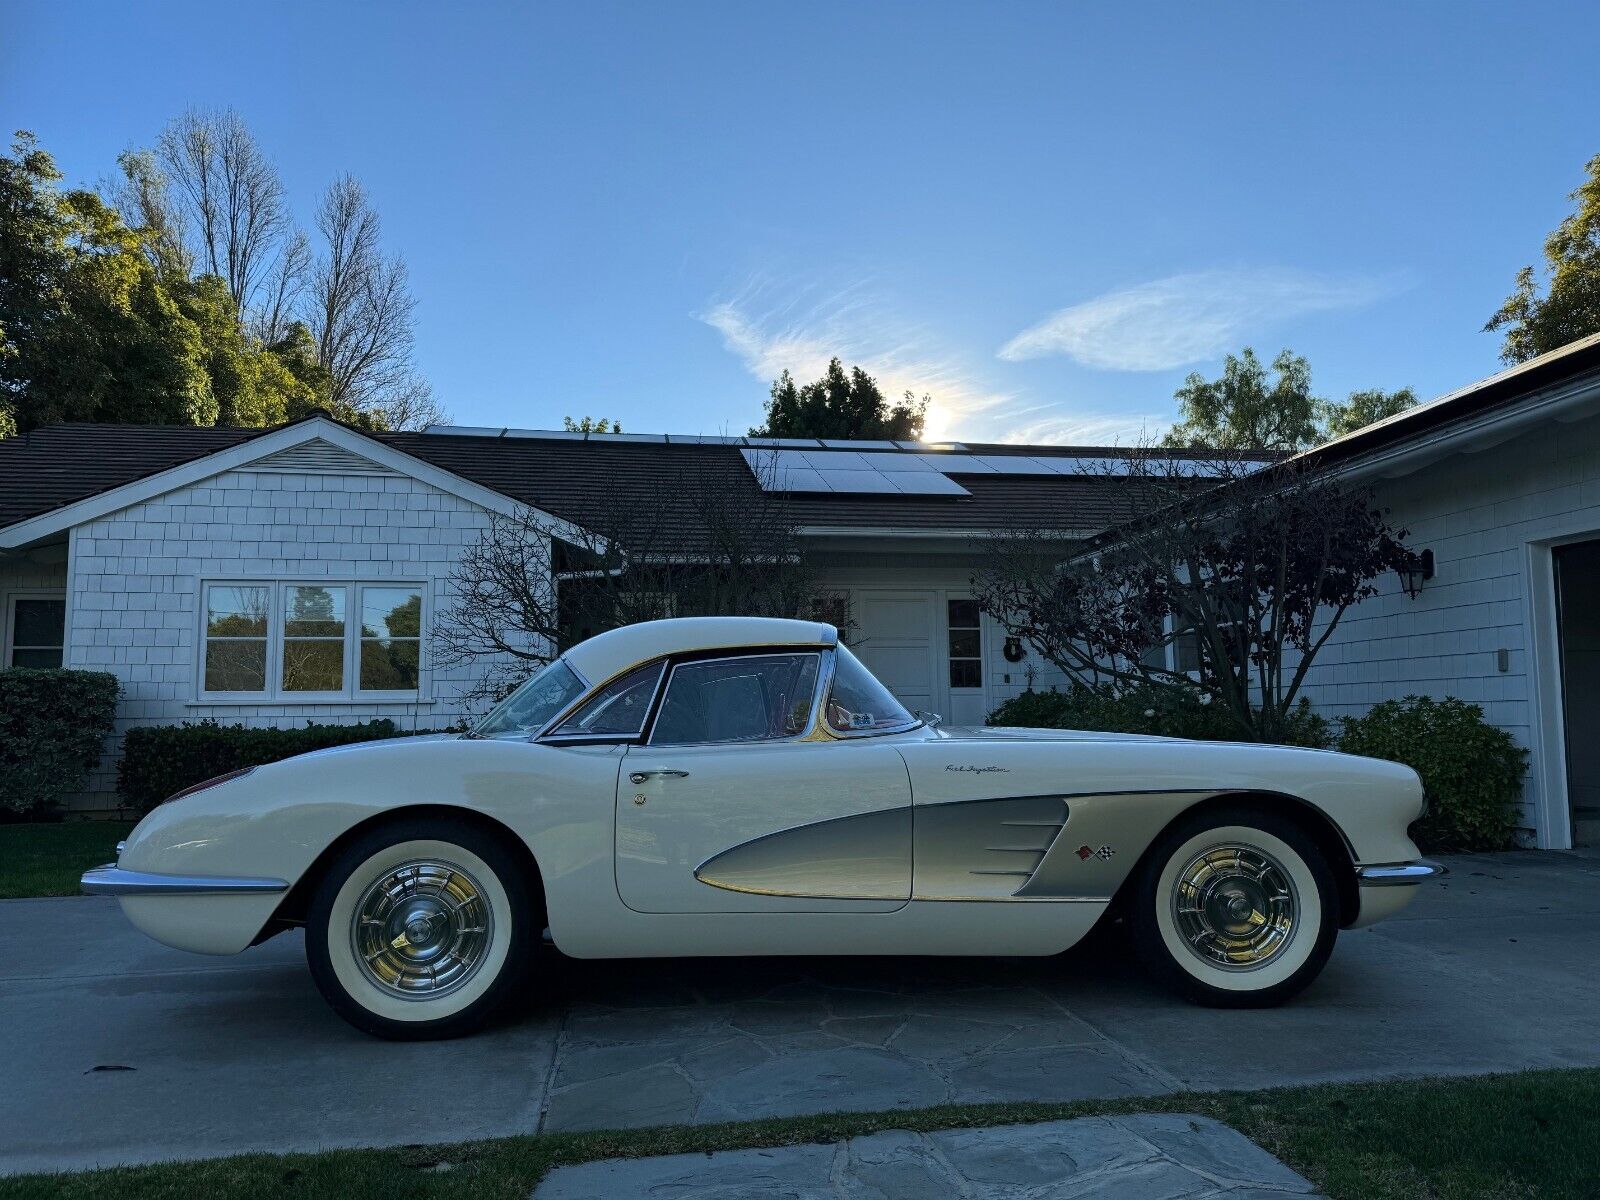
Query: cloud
{"x": 1187, "y": 318}
{"x": 802, "y": 332}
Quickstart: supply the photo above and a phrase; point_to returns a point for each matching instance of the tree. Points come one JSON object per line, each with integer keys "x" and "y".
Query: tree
{"x": 1244, "y": 410}
{"x": 234, "y": 198}
{"x": 1251, "y": 569}
{"x": 840, "y": 406}
{"x": 1570, "y": 306}
{"x": 590, "y": 425}
{"x": 88, "y": 332}
{"x": 1365, "y": 408}
{"x": 144, "y": 201}
{"x": 251, "y": 385}
{"x": 532, "y": 584}
{"x": 360, "y": 306}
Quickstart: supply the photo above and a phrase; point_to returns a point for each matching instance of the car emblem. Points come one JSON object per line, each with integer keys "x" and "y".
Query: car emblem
{"x": 1087, "y": 852}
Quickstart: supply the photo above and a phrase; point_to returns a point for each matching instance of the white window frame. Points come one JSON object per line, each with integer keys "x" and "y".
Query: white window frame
{"x": 274, "y": 692}
{"x": 10, "y": 616}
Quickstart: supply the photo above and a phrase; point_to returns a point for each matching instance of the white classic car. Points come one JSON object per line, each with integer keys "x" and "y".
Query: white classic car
{"x": 719, "y": 786}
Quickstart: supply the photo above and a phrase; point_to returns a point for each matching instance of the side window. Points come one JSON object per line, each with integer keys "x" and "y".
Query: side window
{"x": 858, "y": 703}
{"x": 753, "y": 698}
{"x": 618, "y": 710}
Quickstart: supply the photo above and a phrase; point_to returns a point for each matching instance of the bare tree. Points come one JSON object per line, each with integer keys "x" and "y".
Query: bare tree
{"x": 1250, "y": 567}
{"x": 233, "y": 197}
{"x": 361, "y": 307}
{"x": 282, "y": 289}
{"x": 532, "y": 585}
{"x": 143, "y": 198}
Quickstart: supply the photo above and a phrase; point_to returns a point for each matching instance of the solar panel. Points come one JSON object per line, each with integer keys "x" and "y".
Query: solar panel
{"x": 846, "y": 472}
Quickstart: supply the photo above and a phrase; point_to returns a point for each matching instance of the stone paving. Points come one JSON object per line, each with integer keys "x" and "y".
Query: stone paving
{"x": 1166, "y": 1156}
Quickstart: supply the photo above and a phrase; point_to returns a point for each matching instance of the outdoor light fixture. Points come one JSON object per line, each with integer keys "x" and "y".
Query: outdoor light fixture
{"x": 1014, "y": 650}
{"x": 1415, "y": 571}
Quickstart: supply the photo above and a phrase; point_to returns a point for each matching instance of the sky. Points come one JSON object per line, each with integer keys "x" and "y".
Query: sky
{"x": 1044, "y": 216}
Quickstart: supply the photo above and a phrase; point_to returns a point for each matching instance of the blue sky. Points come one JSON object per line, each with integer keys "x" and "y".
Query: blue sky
{"x": 1044, "y": 215}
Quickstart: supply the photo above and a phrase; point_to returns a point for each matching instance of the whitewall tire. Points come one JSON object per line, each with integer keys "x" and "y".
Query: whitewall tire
{"x": 1235, "y": 907}
{"x": 422, "y": 928}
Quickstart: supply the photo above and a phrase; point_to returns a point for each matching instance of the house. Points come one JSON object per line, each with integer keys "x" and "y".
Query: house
{"x": 293, "y": 574}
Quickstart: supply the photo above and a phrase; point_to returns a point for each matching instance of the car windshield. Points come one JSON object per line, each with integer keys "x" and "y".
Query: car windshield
{"x": 531, "y": 706}
{"x": 858, "y": 703}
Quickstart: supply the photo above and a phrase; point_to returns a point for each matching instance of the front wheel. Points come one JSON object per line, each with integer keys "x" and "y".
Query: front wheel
{"x": 422, "y": 929}
{"x": 1235, "y": 908}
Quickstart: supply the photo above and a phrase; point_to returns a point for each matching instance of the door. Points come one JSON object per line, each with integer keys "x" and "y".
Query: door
{"x": 964, "y": 660}
{"x": 1578, "y": 621}
{"x": 716, "y": 814}
{"x": 895, "y": 638}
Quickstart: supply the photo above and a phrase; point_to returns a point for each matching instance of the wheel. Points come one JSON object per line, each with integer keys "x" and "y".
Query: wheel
{"x": 422, "y": 928}
{"x": 1234, "y": 908}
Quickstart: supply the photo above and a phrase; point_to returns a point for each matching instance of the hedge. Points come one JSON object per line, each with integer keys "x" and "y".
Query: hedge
{"x": 53, "y": 726}
{"x": 1472, "y": 771}
{"x": 162, "y": 759}
{"x": 1146, "y": 709}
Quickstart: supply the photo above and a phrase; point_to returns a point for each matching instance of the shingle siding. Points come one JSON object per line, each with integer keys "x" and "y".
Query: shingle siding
{"x": 138, "y": 575}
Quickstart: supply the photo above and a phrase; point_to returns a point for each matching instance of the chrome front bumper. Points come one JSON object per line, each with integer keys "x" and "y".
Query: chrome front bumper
{"x": 1399, "y": 874}
{"x": 112, "y": 880}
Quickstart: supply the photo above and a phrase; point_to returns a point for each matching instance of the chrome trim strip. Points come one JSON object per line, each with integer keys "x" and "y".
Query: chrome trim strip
{"x": 112, "y": 880}
{"x": 1399, "y": 874}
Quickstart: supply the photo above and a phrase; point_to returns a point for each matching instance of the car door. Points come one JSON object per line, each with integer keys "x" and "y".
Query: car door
{"x": 731, "y": 806}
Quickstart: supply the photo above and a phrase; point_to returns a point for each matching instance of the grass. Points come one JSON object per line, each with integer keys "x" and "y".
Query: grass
{"x": 46, "y": 859}
{"x": 1510, "y": 1137}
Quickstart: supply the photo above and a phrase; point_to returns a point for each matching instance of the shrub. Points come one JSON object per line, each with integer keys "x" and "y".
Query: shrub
{"x": 1471, "y": 771}
{"x": 53, "y": 725}
{"x": 162, "y": 759}
{"x": 1146, "y": 709}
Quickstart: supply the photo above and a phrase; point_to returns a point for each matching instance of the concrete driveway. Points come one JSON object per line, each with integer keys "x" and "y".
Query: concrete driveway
{"x": 118, "y": 1050}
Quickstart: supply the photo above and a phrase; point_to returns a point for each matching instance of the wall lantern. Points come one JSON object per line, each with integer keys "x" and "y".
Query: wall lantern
{"x": 1416, "y": 570}
{"x": 1014, "y": 650}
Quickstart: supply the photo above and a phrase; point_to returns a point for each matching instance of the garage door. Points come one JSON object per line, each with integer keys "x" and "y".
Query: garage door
{"x": 894, "y": 636}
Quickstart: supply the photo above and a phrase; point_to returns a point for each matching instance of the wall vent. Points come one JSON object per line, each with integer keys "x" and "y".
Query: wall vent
{"x": 317, "y": 457}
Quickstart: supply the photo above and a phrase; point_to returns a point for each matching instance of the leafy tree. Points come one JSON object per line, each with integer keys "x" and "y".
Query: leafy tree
{"x": 1365, "y": 408}
{"x": 1570, "y": 307}
{"x": 88, "y": 332}
{"x": 590, "y": 425}
{"x": 1247, "y": 410}
{"x": 1253, "y": 574}
{"x": 252, "y": 385}
{"x": 840, "y": 406}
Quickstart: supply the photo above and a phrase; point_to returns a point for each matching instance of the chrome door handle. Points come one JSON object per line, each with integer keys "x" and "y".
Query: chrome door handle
{"x": 641, "y": 776}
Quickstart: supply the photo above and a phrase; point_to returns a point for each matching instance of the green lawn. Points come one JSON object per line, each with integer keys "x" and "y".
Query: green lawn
{"x": 46, "y": 859}
{"x": 1507, "y": 1137}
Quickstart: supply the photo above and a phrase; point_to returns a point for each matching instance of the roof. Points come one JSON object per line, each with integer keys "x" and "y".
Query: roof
{"x": 607, "y": 655}
{"x": 583, "y": 479}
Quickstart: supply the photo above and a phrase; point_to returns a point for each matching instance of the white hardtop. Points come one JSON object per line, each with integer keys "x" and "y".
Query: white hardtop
{"x": 609, "y": 654}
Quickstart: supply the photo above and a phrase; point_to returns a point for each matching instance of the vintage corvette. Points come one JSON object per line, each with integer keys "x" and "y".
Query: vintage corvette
{"x": 721, "y": 786}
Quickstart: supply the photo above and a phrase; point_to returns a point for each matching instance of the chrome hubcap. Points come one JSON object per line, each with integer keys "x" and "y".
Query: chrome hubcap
{"x": 422, "y": 930}
{"x": 1235, "y": 907}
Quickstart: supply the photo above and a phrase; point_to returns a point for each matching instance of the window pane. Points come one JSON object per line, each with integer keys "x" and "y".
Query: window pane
{"x": 391, "y": 612}
{"x": 237, "y": 611}
{"x": 313, "y": 612}
{"x": 964, "y": 643}
{"x": 965, "y": 673}
{"x": 50, "y": 659}
{"x": 533, "y": 704}
{"x": 963, "y": 613}
{"x": 738, "y": 700}
{"x": 858, "y": 703}
{"x": 236, "y": 666}
{"x": 39, "y": 623}
{"x": 620, "y": 707}
{"x": 313, "y": 666}
{"x": 389, "y": 665}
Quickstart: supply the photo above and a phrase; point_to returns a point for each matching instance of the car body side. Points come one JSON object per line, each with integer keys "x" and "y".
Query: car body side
{"x": 279, "y": 822}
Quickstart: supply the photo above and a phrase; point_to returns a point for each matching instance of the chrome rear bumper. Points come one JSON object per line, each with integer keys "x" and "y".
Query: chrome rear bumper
{"x": 1399, "y": 874}
{"x": 112, "y": 880}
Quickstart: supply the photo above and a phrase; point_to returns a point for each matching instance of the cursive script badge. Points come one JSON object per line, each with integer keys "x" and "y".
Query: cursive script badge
{"x": 965, "y": 769}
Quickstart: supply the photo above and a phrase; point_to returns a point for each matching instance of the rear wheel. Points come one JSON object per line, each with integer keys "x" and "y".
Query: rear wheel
{"x": 422, "y": 929}
{"x": 1235, "y": 908}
